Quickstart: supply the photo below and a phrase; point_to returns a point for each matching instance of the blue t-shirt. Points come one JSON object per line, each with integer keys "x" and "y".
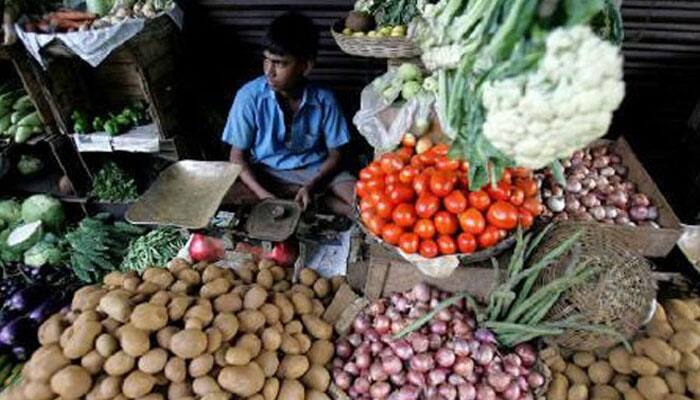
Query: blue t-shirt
{"x": 256, "y": 123}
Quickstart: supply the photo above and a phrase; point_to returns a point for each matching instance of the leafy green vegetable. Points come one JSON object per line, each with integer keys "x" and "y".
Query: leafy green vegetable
{"x": 10, "y": 211}
{"x": 29, "y": 165}
{"x": 24, "y": 236}
{"x": 44, "y": 253}
{"x": 44, "y": 208}
{"x": 154, "y": 249}
{"x": 394, "y": 12}
{"x": 113, "y": 184}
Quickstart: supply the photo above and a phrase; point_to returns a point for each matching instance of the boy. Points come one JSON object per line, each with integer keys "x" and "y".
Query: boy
{"x": 284, "y": 130}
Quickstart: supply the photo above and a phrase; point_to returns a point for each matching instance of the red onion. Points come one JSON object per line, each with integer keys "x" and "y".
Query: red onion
{"x": 402, "y": 349}
{"x": 386, "y": 352}
{"x": 618, "y": 198}
{"x": 422, "y": 362}
{"x": 615, "y": 158}
{"x": 607, "y": 171}
{"x": 608, "y": 221}
{"x": 455, "y": 380}
{"x": 400, "y": 303}
{"x": 652, "y": 213}
{"x": 485, "y": 335}
{"x": 573, "y": 205}
{"x": 485, "y": 392}
{"x": 354, "y": 339}
{"x": 408, "y": 392}
{"x": 556, "y": 204}
{"x": 415, "y": 378}
{"x": 527, "y": 396}
{"x": 535, "y": 380}
{"x": 435, "y": 341}
{"x": 464, "y": 366}
{"x": 623, "y": 220}
{"x": 438, "y": 327}
{"x": 640, "y": 199}
{"x": 620, "y": 169}
{"x": 351, "y": 368}
{"x": 493, "y": 367}
{"x": 444, "y": 315}
{"x": 461, "y": 347}
{"x": 379, "y": 390}
{"x": 466, "y": 392}
{"x": 601, "y": 162}
{"x": 421, "y": 292}
{"x": 610, "y": 212}
{"x": 376, "y": 348}
{"x": 437, "y": 376}
{"x": 419, "y": 342}
{"x": 628, "y": 186}
{"x": 484, "y": 355}
{"x": 474, "y": 345}
{"x": 342, "y": 379}
{"x": 512, "y": 392}
{"x": 447, "y": 392}
{"x": 522, "y": 383}
{"x": 377, "y": 308}
{"x": 338, "y": 363}
{"x": 393, "y": 314}
{"x": 499, "y": 381}
{"x": 397, "y": 326}
{"x": 598, "y": 213}
{"x": 445, "y": 357}
{"x": 398, "y": 379}
{"x": 460, "y": 328}
{"x": 573, "y": 185}
{"x": 361, "y": 385}
{"x": 353, "y": 393}
{"x": 639, "y": 213}
{"x": 376, "y": 372}
{"x": 371, "y": 335}
{"x": 590, "y": 200}
{"x": 343, "y": 348}
{"x": 382, "y": 324}
{"x": 363, "y": 361}
{"x": 361, "y": 323}
{"x": 418, "y": 311}
{"x": 527, "y": 354}
{"x": 392, "y": 365}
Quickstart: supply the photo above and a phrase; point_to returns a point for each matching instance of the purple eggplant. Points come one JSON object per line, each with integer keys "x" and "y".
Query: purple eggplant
{"x": 42, "y": 312}
{"x": 19, "y": 331}
{"x": 26, "y": 299}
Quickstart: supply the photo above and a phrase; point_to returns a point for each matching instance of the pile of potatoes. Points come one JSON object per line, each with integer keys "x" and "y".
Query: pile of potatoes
{"x": 188, "y": 332}
{"x": 664, "y": 363}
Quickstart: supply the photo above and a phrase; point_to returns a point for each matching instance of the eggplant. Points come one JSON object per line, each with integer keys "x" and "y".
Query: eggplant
{"x": 21, "y": 353}
{"x": 27, "y": 298}
{"x": 42, "y": 312}
{"x": 19, "y": 331}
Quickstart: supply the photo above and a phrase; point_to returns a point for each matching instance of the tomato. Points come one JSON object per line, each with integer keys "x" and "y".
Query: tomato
{"x": 502, "y": 215}
{"x": 408, "y": 242}
{"x": 455, "y": 202}
{"x": 375, "y": 183}
{"x": 375, "y": 195}
{"x": 499, "y": 192}
{"x": 372, "y": 170}
{"x": 479, "y": 200}
{"x": 373, "y": 222}
{"x": 401, "y": 193}
{"x": 384, "y": 207}
{"x": 464, "y": 166}
{"x": 361, "y": 189}
{"x": 533, "y": 205}
{"x": 404, "y": 215}
{"x": 442, "y": 183}
{"x": 416, "y": 162}
{"x": 440, "y": 149}
{"x": 528, "y": 186}
{"x": 366, "y": 174}
{"x": 517, "y": 196}
{"x": 466, "y": 243}
{"x": 366, "y": 204}
{"x": 472, "y": 221}
{"x": 445, "y": 223}
{"x": 446, "y": 245}
{"x": 424, "y": 228}
{"x": 444, "y": 163}
{"x": 507, "y": 177}
{"x": 427, "y": 205}
{"x": 409, "y": 140}
{"x": 391, "y": 179}
{"x": 427, "y": 158}
{"x": 391, "y": 233}
{"x": 421, "y": 184}
{"x": 489, "y": 237}
{"x": 408, "y": 174}
{"x": 428, "y": 249}
{"x": 525, "y": 217}
{"x": 521, "y": 172}
{"x": 391, "y": 163}
{"x": 502, "y": 233}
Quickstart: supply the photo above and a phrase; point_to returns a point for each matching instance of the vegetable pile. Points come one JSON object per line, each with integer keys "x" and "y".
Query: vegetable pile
{"x": 418, "y": 199}
{"x": 187, "y": 331}
{"x": 155, "y": 248}
{"x": 380, "y": 18}
{"x": 664, "y": 363}
{"x": 19, "y": 119}
{"x": 597, "y": 189}
{"x": 114, "y": 124}
{"x": 113, "y": 184}
{"x": 447, "y": 359}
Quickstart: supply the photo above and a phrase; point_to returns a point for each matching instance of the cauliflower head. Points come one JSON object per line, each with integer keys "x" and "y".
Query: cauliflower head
{"x": 562, "y": 106}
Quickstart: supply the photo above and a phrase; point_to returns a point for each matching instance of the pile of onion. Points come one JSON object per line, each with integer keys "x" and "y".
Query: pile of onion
{"x": 597, "y": 189}
{"x": 447, "y": 359}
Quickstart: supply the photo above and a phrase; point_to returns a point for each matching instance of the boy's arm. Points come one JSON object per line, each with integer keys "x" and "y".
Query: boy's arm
{"x": 237, "y": 156}
{"x": 328, "y": 167}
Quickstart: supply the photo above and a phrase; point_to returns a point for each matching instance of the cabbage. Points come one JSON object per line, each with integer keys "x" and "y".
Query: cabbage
{"x": 10, "y": 211}
{"x": 43, "y": 253}
{"x": 410, "y": 72}
{"x": 24, "y": 236}
{"x": 410, "y": 89}
{"x": 7, "y": 254}
{"x": 44, "y": 208}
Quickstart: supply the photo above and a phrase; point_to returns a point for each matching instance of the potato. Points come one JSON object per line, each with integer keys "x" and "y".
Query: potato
{"x": 117, "y": 305}
{"x": 305, "y": 290}
{"x": 204, "y": 385}
{"x": 160, "y": 298}
{"x": 71, "y": 382}
{"x": 293, "y": 327}
{"x": 278, "y": 273}
{"x": 161, "y": 277}
{"x": 250, "y": 342}
{"x": 578, "y": 392}
{"x": 251, "y": 320}
{"x": 238, "y": 356}
{"x": 50, "y": 331}
{"x": 147, "y": 288}
{"x": 227, "y": 324}
{"x": 317, "y": 327}
{"x": 220, "y": 355}
{"x": 45, "y": 362}
{"x": 178, "y": 306}
{"x": 271, "y": 389}
{"x": 180, "y": 287}
{"x": 131, "y": 282}
{"x": 110, "y": 387}
{"x": 600, "y": 372}
{"x": 290, "y": 345}
{"x": 265, "y": 279}
{"x": 113, "y": 279}
{"x": 242, "y": 380}
{"x": 291, "y": 390}
{"x": 269, "y": 363}
{"x": 675, "y": 382}
{"x": 337, "y": 282}
{"x": 293, "y": 367}
{"x": 682, "y": 324}
{"x": 660, "y": 329}
{"x": 215, "y": 288}
{"x": 179, "y": 390}
{"x": 304, "y": 342}
{"x": 175, "y": 369}
{"x": 216, "y": 396}
{"x": 271, "y": 312}
{"x": 189, "y": 276}
{"x": 604, "y": 392}
{"x": 576, "y": 375}
{"x": 317, "y": 377}
{"x": 583, "y": 359}
{"x": 322, "y": 287}
{"x": 35, "y": 390}
{"x": 321, "y": 352}
{"x": 692, "y": 380}
{"x": 620, "y": 360}
{"x": 202, "y": 311}
{"x": 79, "y": 339}
{"x": 318, "y": 308}
{"x": 152, "y": 396}
{"x": 281, "y": 286}
{"x": 92, "y": 362}
{"x": 685, "y": 341}
{"x": 643, "y": 366}
{"x": 559, "y": 387}
{"x": 254, "y": 297}
{"x": 149, "y": 317}
{"x": 188, "y": 343}
{"x": 138, "y": 384}
{"x": 674, "y": 396}
{"x": 285, "y": 306}
{"x": 87, "y": 298}
{"x": 211, "y": 272}
{"x": 660, "y": 352}
{"x": 134, "y": 341}
{"x": 271, "y": 339}
{"x": 165, "y": 335}
{"x": 111, "y": 325}
{"x": 153, "y": 361}
{"x": 119, "y": 363}
{"x": 621, "y": 383}
{"x": 678, "y": 309}
{"x": 313, "y": 394}
{"x": 194, "y": 323}
{"x": 652, "y": 387}
{"x": 214, "y": 339}
{"x": 308, "y": 277}
{"x": 689, "y": 362}
{"x": 633, "y": 394}
{"x": 229, "y": 302}
{"x": 265, "y": 264}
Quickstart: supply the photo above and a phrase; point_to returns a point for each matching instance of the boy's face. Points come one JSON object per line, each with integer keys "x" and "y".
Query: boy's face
{"x": 284, "y": 73}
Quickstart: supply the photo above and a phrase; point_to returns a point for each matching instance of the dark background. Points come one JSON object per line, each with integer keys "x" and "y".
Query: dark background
{"x": 662, "y": 69}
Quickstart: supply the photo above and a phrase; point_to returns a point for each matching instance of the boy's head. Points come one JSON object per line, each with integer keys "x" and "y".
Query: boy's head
{"x": 291, "y": 44}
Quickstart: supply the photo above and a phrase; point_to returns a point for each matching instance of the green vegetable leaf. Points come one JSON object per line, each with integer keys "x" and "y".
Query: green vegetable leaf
{"x": 582, "y": 11}
{"x": 558, "y": 172}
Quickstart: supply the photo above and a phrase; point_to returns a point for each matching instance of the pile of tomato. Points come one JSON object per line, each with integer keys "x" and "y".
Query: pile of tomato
{"x": 421, "y": 203}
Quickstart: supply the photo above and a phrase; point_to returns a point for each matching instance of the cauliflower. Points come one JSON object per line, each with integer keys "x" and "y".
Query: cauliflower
{"x": 565, "y": 104}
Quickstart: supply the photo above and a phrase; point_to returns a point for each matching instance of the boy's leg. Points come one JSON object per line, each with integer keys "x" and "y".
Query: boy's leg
{"x": 341, "y": 197}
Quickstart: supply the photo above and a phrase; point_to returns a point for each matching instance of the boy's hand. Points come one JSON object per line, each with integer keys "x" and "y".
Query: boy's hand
{"x": 303, "y": 197}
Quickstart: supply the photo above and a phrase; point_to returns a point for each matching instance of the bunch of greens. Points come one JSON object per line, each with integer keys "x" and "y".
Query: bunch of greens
{"x": 114, "y": 124}
{"x": 394, "y": 12}
{"x": 153, "y": 249}
{"x": 113, "y": 184}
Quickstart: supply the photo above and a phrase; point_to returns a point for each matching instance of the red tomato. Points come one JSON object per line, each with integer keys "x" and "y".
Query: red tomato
{"x": 408, "y": 174}
{"x": 361, "y": 189}
{"x": 446, "y": 244}
{"x": 391, "y": 163}
{"x": 502, "y": 215}
{"x": 517, "y": 196}
{"x": 533, "y": 205}
{"x": 375, "y": 183}
{"x": 525, "y": 217}
{"x": 391, "y": 234}
{"x": 444, "y": 163}
{"x": 464, "y": 166}
{"x": 375, "y": 195}
{"x": 404, "y": 215}
{"x": 499, "y": 192}
{"x": 371, "y": 171}
{"x": 445, "y": 223}
{"x": 405, "y": 154}
{"x": 520, "y": 172}
{"x": 455, "y": 202}
{"x": 422, "y": 183}
{"x": 428, "y": 248}
{"x": 442, "y": 183}
{"x": 366, "y": 204}
{"x": 401, "y": 193}
{"x": 424, "y": 228}
{"x": 427, "y": 205}
{"x": 466, "y": 242}
{"x": 373, "y": 222}
{"x": 440, "y": 149}
{"x": 409, "y": 140}
{"x": 507, "y": 177}
{"x": 528, "y": 186}
{"x": 384, "y": 207}
{"x": 489, "y": 237}
{"x": 427, "y": 158}
{"x": 479, "y": 200}
{"x": 472, "y": 221}
{"x": 391, "y": 179}
{"x": 409, "y": 242}
{"x": 416, "y": 162}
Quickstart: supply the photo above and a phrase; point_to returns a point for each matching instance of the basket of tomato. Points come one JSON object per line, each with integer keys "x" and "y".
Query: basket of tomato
{"x": 422, "y": 205}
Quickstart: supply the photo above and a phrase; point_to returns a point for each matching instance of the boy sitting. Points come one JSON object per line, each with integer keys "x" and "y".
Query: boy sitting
{"x": 286, "y": 131}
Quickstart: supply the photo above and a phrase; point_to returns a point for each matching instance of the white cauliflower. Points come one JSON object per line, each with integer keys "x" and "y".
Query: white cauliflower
{"x": 562, "y": 106}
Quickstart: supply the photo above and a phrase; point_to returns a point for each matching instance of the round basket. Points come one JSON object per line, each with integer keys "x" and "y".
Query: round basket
{"x": 618, "y": 296}
{"x": 376, "y": 47}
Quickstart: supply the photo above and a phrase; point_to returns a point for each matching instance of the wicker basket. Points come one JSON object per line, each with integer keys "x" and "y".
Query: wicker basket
{"x": 619, "y": 296}
{"x": 376, "y": 47}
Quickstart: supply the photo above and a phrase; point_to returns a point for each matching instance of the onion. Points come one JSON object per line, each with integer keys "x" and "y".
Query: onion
{"x": 376, "y": 372}
{"x": 393, "y": 314}
{"x": 444, "y": 315}
{"x": 437, "y": 376}
{"x": 573, "y": 185}
{"x": 382, "y": 324}
{"x": 361, "y": 324}
{"x": 499, "y": 381}
{"x": 386, "y": 352}
{"x": 618, "y": 198}
{"x": 460, "y": 328}
{"x": 590, "y": 200}
{"x": 435, "y": 341}
{"x": 400, "y": 303}
{"x": 438, "y": 327}
{"x": 338, "y": 363}
{"x": 622, "y": 220}
{"x": 408, "y": 392}
{"x": 484, "y": 355}
{"x": 610, "y": 212}
{"x": 573, "y": 205}
{"x": 615, "y": 158}
{"x": 377, "y": 308}
{"x": 351, "y": 368}
{"x": 402, "y": 349}
{"x": 361, "y": 385}
{"x": 607, "y": 171}
{"x": 461, "y": 347}
{"x": 419, "y": 342}
{"x": 639, "y": 213}
{"x": 527, "y": 354}
{"x": 466, "y": 392}
{"x": 421, "y": 292}
{"x": 447, "y": 392}
{"x": 363, "y": 361}
{"x": 640, "y": 199}
{"x": 376, "y": 348}
{"x": 463, "y": 366}
{"x": 556, "y": 204}
{"x": 485, "y": 336}
{"x": 415, "y": 378}
{"x": 455, "y": 380}
{"x": 598, "y": 213}
{"x": 379, "y": 390}
{"x": 601, "y": 183}
{"x": 628, "y": 186}
{"x": 445, "y": 357}
{"x": 371, "y": 335}
{"x": 422, "y": 362}
{"x": 343, "y": 348}
{"x": 474, "y": 345}
{"x": 485, "y": 392}
{"x": 522, "y": 383}
{"x": 398, "y": 379}
{"x": 583, "y": 216}
{"x": 620, "y": 170}
{"x": 535, "y": 380}
{"x": 354, "y": 339}
{"x": 652, "y": 213}
{"x": 527, "y": 396}
{"x": 601, "y": 162}
{"x": 599, "y": 151}
{"x": 392, "y": 365}
{"x": 342, "y": 379}
{"x": 512, "y": 392}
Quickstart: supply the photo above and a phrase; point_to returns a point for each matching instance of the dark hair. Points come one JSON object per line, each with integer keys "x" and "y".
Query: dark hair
{"x": 292, "y": 34}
